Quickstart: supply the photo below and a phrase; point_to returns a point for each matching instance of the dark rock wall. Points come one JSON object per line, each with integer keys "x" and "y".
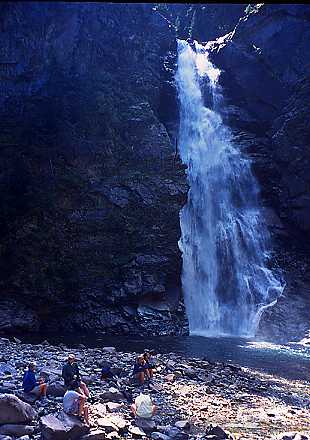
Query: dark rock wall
{"x": 90, "y": 186}
{"x": 90, "y": 189}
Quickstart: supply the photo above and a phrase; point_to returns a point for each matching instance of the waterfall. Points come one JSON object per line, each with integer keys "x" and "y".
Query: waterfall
{"x": 224, "y": 242}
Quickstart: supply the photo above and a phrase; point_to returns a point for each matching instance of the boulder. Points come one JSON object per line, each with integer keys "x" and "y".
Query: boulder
{"x": 108, "y": 349}
{"x": 176, "y": 434}
{"x": 290, "y": 436}
{"x": 107, "y": 424}
{"x": 146, "y": 425}
{"x": 62, "y": 427}
{"x": 56, "y": 389}
{"x": 217, "y": 433}
{"x": 94, "y": 435}
{"x": 7, "y": 369}
{"x": 113, "y": 395}
{"x": 182, "y": 424}
{"x": 136, "y": 431}
{"x": 159, "y": 436}
{"x": 13, "y": 410}
{"x": 16, "y": 430}
{"x": 26, "y": 397}
{"x": 5, "y": 437}
{"x": 113, "y": 406}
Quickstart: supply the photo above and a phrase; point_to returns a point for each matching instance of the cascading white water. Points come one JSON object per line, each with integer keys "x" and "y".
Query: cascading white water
{"x": 224, "y": 241}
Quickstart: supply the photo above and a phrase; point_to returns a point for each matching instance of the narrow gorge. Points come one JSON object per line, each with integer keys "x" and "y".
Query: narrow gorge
{"x": 135, "y": 135}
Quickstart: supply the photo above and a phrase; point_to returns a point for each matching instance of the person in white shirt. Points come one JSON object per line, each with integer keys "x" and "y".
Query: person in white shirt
{"x": 143, "y": 407}
{"x": 74, "y": 403}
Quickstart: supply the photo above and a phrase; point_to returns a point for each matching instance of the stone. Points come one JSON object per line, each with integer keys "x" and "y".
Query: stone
{"x": 99, "y": 409}
{"x": 5, "y": 437}
{"x": 107, "y": 424}
{"x": 176, "y": 434}
{"x": 217, "y": 432}
{"x": 108, "y": 349}
{"x": 147, "y": 425}
{"x": 95, "y": 435}
{"x": 136, "y": 431}
{"x": 113, "y": 406}
{"x": 290, "y": 436}
{"x": 113, "y": 435}
{"x": 113, "y": 395}
{"x": 170, "y": 377}
{"x": 62, "y": 427}
{"x": 56, "y": 389}
{"x": 7, "y": 369}
{"x": 16, "y": 430}
{"x": 159, "y": 436}
{"x": 13, "y": 410}
{"x": 182, "y": 424}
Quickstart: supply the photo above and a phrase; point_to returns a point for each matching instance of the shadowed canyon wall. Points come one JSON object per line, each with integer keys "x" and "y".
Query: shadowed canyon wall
{"x": 91, "y": 187}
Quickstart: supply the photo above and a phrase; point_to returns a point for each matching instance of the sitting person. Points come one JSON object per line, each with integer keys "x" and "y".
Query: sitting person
{"x": 143, "y": 407}
{"x": 31, "y": 385}
{"x": 71, "y": 374}
{"x": 74, "y": 402}
{"x": 139, "y": 369}
{"x": 149, "y": 362}
{"x": 106, "y": 373}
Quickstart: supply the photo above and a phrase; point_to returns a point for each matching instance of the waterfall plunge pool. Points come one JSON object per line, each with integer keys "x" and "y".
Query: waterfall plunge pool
{"x": 291, "y": 361}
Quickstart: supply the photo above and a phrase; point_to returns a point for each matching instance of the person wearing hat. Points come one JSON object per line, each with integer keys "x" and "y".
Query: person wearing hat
{"x": 71, "y": 373}
{"x": 31, "y": 385}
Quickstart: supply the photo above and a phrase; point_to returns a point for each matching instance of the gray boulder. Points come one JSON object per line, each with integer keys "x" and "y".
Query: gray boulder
{"x": 16, "y": 430}
{"x": 62, "y": 427}
{"x": 56, "y": 389}
{"x": 13, "y": 410}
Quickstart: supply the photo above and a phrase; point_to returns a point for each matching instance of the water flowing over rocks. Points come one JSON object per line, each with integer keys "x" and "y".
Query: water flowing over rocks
{"x": 206, "y": 400}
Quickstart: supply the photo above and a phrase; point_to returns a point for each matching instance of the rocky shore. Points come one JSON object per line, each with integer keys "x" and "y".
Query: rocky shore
{"x": 196, "y": 398}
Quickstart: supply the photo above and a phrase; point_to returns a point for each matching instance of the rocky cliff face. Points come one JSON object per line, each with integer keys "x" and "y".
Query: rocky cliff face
{"x": 90, "y": 186}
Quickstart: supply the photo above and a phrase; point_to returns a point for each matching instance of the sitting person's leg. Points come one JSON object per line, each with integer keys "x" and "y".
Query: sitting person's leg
{"x": 39, "y": 390}
{"x": 154, "y": 408}
{"x": 86, "y": 415}
{"x": 140, "y": 377}
{"x": 82, "y": 401}
{"x": 84, "y": 389}
{"x": 133, "y": 409}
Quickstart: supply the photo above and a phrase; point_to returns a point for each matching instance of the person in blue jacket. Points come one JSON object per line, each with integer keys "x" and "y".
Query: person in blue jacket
{"x": 31, "y": 385}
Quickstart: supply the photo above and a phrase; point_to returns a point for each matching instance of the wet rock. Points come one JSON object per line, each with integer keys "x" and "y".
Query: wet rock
{"x": 13, "y": 410}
